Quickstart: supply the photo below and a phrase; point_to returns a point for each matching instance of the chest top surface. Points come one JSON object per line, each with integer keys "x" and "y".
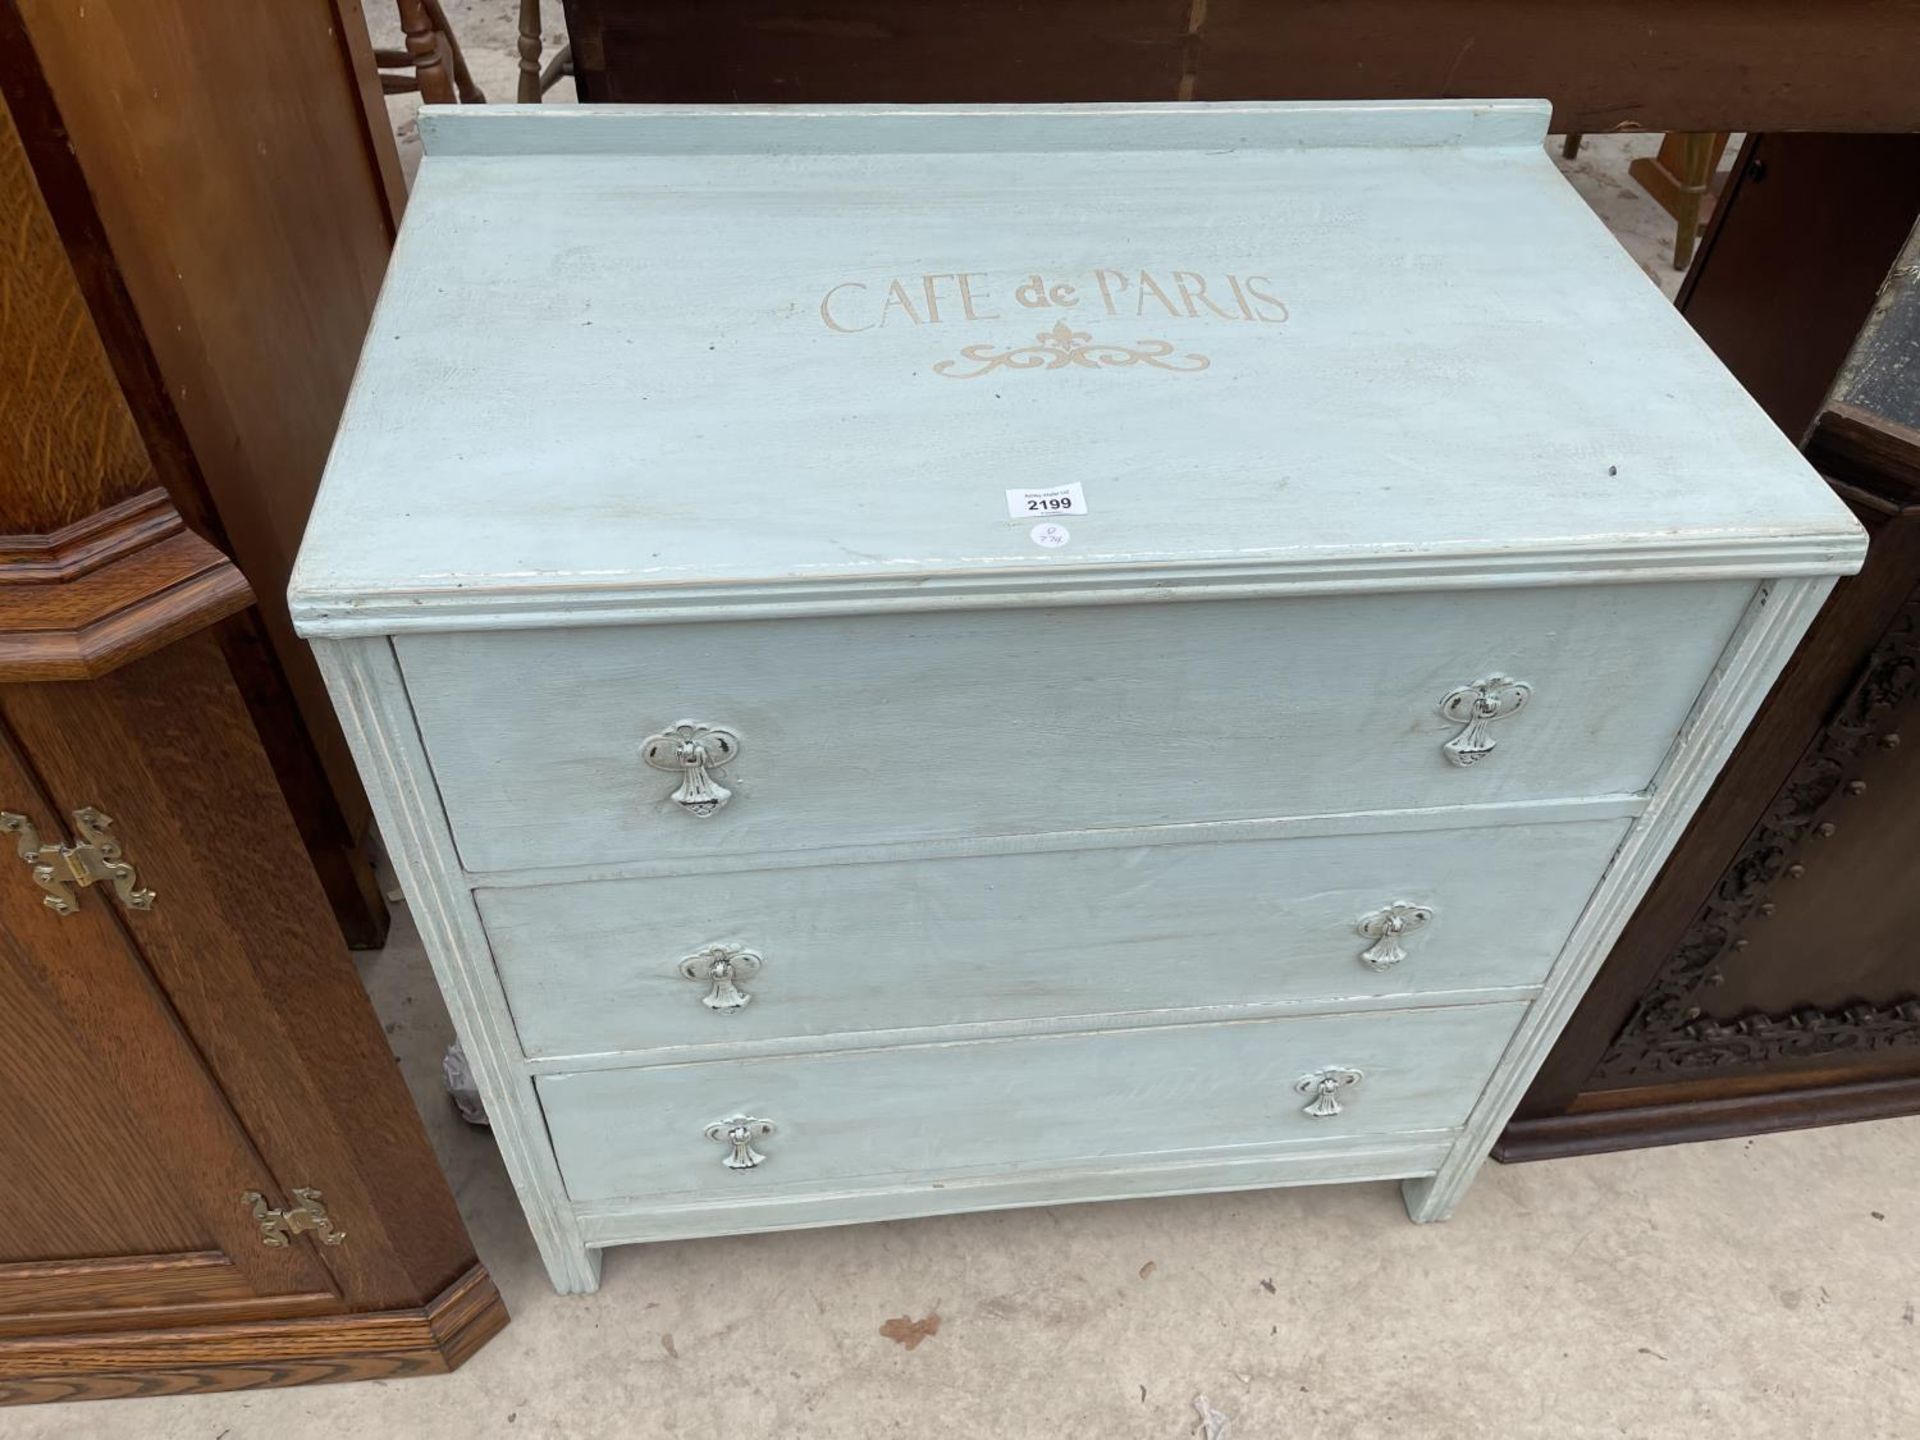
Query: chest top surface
{"x": 647, "y": 360}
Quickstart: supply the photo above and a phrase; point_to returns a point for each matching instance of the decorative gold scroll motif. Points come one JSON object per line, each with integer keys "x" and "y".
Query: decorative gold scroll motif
{"x": 1063, "y": 346}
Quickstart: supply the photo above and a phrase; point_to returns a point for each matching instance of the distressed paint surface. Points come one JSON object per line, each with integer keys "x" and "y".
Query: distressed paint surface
{"x": 929, "y": 1112}
{"x": 1468, "y": 365}
{"x": 846, "y": 949}
{"x": 865, "y": 730}
{"x": 1045, "y": 880}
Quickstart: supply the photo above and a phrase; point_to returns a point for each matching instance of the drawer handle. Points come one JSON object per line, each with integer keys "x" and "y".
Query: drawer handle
{"x": 1476, "y": 707}
{"x": 720, "y": 967}
{"x": 694, "y": 752}
{"x": 738, "y": 1135}
{"x": 1385, "y": 927}
{"x": 1324, "y": 1086}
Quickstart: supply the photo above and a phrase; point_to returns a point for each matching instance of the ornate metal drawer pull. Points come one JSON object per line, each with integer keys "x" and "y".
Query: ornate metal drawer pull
{"x": 1385, "y": 927}
{"x": 58, "y": 868}
{"x": 1476, "y": 707}
{"x": 1324, "y": 1086}
{"x": 277, "y": 1226}
{"x": 720, "y": 967}
{"x": 695, "y": 752}
{"x": 738, "y": 1135}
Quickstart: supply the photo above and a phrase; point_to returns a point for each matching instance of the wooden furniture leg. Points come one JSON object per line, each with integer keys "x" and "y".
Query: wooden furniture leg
{"x": 469, "y": 93}
{"x": 535, "y": 79}
{"x": 529, "y": 91}
{"x": 1679, "y": 179}
{"x": 423, "y": 50}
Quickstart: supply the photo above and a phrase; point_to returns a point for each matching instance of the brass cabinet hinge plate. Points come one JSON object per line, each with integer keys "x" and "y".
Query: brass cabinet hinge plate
{"x": 278, "y": 1226}
{"x": 58, "y": 868}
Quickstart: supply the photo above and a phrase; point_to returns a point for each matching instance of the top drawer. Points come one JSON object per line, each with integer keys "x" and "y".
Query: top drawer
{"x": 872, "y": 729}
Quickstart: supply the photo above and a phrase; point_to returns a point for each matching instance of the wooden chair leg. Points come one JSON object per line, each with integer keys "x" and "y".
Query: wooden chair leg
{"x": 1680, "y": 180}
{"x": 558, "y": 68}
{"x": 529, "y": 91}
{"x": 423, "y": 49}
{"x": 1570, "y": 146}
{"x": 1698, "y": 156}
{"x": 470, "y": 93}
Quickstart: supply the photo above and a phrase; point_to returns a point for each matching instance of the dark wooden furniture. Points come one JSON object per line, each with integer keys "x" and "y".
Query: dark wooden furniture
{"x": 185, "y": 1049}
{"x": 1770, "y": 980}
{"x": 223, "y": 180}
{"x": 161, "y": 1066}
{"x": 1692, "y": 65}
{"x": 537, "y": 79}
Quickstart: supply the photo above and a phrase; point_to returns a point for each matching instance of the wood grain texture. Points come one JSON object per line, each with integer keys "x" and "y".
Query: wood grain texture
{"x": 765, "y": 51}
{"x": 1292, "y": 707}
{"x": 1867, "y": 452}
{"x": 921, "y": 1115}
{"x": 243, "y": 203}
{"x": 50, "y": 1199}
{"x": 144, "y": 1292}
{"x": 91, "y": 984}
{"x": 849, "y": 949}
{"x": 332, "y": 834}
{"x": 197, "y": 1278}
{"x": 1431, "y": 434}
{"x": 429, "y": 1340}
{"x": 117, "y": 585}
{"x": 70, "y": 204}
{"x": 1345, "y": 1161}
{"x": 72, "y": 551}
{"x": 161, "y": 1063}
{"x": 1722, "y": 1117}
{"x": 68, "y": 443}
{"x": 356, "y": 45}
{"x": 245, "y": 951}
{"x": 1605, "y": 64}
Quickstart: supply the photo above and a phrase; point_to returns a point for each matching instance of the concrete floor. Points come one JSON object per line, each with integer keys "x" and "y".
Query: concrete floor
{"x": 1761, "y": 1287}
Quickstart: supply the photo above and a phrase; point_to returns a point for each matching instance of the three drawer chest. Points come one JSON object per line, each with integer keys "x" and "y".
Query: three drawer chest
{"x": 915, "y": 660}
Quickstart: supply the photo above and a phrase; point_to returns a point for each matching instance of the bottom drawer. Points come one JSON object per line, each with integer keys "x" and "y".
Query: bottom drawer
{"x": 928, "y": 1112}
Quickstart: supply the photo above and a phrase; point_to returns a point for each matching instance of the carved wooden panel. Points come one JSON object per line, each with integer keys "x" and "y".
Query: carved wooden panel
{"x": 1769, "y": 978}
{"x": 1779, "y": 925}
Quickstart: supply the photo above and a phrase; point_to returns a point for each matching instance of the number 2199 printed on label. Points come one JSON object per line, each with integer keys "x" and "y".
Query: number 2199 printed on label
{"x": 1037, "y": 504}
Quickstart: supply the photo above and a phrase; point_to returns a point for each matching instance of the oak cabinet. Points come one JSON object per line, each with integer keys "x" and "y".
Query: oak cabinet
{"x": 211, "y": 1173}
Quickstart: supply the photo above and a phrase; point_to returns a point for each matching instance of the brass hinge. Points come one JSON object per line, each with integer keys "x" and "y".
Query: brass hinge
{"x": 58, "y": 868}
{"x": 277, "y": 1226}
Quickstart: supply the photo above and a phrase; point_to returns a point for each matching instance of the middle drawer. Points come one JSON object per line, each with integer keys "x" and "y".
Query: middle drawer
{"x": 624, "y": 965}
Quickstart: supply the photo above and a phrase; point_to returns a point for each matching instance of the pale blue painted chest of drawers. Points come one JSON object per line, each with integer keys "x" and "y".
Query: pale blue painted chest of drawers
{"x": 922, "y": 660}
